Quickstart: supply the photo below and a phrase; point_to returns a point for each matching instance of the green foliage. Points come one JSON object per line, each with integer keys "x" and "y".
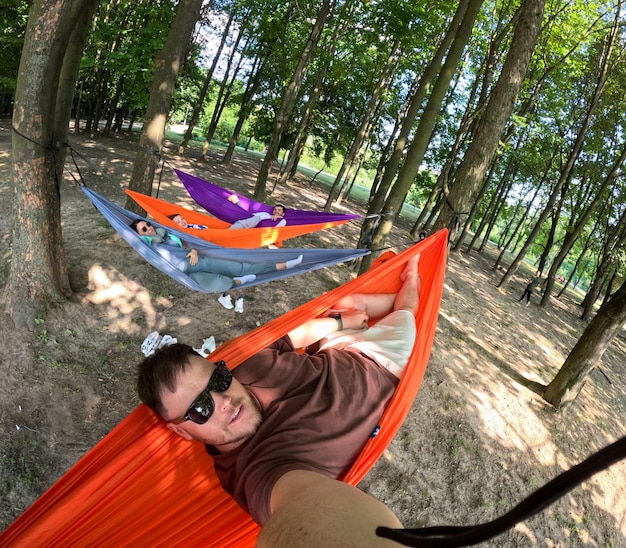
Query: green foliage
{"x": 117, "y": 67}
{"x": 13, "y": 19}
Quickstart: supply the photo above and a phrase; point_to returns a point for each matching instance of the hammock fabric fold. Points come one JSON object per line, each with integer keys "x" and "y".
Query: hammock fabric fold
{"x": 144, "y": 485}
{"x": 313, "y": 258}
{"x": 214, "y": 199}
{"x": 217, "y": 231}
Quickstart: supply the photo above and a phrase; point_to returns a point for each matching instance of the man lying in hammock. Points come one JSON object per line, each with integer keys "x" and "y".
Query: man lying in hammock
{"x": 213, "y": 274}
{"x": 182, "y": 222}
{"x": 278, "y": 214}
{"x": 284, "y": 425}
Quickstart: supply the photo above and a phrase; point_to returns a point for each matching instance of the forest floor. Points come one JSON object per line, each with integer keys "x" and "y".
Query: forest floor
{"x": 477, "y": 440}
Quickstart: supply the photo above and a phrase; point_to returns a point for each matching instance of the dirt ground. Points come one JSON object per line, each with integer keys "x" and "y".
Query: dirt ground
{"x": 478, "y": 438}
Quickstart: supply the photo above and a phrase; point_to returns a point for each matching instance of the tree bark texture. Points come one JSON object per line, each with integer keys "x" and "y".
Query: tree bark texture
{"x": 166, "y": 67}
{"x": 38, "y": 273}
{"x": 588, "y": 350}
{"x": 489, "y": 128}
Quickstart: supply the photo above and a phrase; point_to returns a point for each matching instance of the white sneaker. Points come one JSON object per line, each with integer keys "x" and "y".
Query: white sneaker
{"x": 225, "y": 301}
{"x": 239, "y": 305}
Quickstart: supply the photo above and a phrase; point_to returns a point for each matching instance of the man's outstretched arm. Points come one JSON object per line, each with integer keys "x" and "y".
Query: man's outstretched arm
{"x": 311, "y": 510}
{"x": 318, "y": 328}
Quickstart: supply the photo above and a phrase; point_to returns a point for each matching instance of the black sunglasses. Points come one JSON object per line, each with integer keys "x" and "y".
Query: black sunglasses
{"x": 144, "y": 228}
{"x": 203, "y": 406}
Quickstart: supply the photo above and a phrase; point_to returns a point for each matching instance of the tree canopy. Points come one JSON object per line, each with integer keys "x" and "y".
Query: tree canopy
{"x": 501, "y": 120}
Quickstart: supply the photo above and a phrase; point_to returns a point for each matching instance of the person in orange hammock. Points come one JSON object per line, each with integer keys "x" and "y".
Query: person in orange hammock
{"x": 182, "y": 222}
{"x": 284, "y": 425}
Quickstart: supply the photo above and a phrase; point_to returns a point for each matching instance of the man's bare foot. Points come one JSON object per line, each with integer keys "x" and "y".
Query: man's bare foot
{"x": 411, "y": 267}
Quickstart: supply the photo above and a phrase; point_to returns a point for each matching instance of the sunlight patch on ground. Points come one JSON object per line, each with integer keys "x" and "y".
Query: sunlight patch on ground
{"x": 122, "y": 295}
{"x": 525, "y": 435}
{"x": 611, "y": 500}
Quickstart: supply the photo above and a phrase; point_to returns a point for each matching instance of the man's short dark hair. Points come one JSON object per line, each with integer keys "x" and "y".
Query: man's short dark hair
{"x": 159, "y": 371}
{"x": 282, "y": 206}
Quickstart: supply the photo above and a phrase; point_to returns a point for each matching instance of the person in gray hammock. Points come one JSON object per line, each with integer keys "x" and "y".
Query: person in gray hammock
{"x": 214, "y": 275}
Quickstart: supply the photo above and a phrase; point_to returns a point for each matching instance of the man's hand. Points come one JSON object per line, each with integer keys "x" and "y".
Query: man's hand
{"x": 193, "y": 257}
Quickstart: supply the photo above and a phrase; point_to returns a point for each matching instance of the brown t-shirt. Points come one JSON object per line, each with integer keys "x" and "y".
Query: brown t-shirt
{"x": 318, "y": 412}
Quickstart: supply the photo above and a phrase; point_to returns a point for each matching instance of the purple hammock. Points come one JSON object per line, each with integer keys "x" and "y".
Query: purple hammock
{"x": 214, "y": 199}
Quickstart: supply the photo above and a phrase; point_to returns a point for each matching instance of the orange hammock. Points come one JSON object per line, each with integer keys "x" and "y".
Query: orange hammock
{"x": 217, "y": 231}
{"x": 143, "y": 485}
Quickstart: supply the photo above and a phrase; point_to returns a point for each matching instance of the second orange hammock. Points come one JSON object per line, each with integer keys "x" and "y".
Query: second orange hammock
{"x": 143, "y": 485}
{"x": 217, "y": 231}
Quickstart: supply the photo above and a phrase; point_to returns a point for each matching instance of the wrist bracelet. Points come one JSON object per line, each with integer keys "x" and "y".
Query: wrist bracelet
{"x": 339, "y": 320}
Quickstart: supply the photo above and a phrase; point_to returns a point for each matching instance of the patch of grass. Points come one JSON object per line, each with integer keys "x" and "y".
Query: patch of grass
{"x": 479, "y": 502}
{"x": 21, "y": 462}
{"x": 602, "y": 426}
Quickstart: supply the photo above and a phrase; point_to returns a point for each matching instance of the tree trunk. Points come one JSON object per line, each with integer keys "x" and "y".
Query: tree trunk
{"x": 288, "y": 100}
{"x": 223, "y": 96}
{"x": 572, "y": 235}
{"x": 377, "y": 201}
{"x": 591, "y": 346}
{"x": 364, "y": 129}
{"x": 314, "y": 95}
{"x": 166, "y": 67}
{"x": 423, "y": 134}
{"x": 197, "y": 109}
{"x": 488, "y": 130}
{"x": 38, "y": 273}
{"x": 615, "y": 238}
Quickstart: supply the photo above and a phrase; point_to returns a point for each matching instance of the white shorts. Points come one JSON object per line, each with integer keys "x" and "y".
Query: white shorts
{"x": 389, "y": 341}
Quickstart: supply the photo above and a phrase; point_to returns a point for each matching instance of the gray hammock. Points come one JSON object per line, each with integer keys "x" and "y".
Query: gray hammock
{"x": 313, "y": 258}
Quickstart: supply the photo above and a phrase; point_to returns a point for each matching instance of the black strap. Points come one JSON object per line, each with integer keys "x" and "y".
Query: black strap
{"x": 451, "y": 537}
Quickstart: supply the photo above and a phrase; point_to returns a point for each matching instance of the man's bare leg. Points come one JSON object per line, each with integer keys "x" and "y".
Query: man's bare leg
{"x": 408, "y": 297}
{"x": 375, "y": 305}
{"x": 378, "y": 305}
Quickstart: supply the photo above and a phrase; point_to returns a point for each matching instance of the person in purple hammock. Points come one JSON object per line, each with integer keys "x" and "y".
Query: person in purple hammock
{"x": 278, "y": 214}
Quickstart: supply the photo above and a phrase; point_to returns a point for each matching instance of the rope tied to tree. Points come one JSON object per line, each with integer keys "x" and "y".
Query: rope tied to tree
{"x": 455, "y": 223}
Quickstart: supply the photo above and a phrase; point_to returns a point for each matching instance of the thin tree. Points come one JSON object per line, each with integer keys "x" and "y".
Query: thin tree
{"x": 575, "y": 151}
{"x": 288, "y": 100}
{"x": 367, "y": 123}
{"x": 488, "y": 130}
{"x": 415, "y": 102}
{"x": 423, "y": 133}
{"x": 574, "y": 232}
{"x": 589, "y": 349}
{"x": 197, "y": 109}
{"x": 166, "y": 67}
